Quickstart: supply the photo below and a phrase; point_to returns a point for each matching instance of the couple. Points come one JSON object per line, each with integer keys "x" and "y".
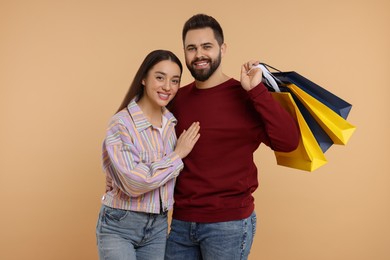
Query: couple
{"x": 208, "y": 171}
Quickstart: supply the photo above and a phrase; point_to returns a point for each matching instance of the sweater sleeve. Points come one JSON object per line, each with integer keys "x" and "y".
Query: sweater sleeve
{"x": 281, "y": 128}
{"x": 129, "y": 171}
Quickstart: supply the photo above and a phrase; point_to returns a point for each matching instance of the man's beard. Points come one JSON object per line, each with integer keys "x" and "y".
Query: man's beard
{"x": 204, "y": 74}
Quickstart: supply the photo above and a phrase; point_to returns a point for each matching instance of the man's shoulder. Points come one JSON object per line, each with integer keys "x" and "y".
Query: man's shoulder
{"x": 185, "y": 89}
{"x": 187, "y": 86}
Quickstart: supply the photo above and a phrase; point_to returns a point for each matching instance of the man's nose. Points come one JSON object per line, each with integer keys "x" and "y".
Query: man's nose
{"x": 199, "y": 52}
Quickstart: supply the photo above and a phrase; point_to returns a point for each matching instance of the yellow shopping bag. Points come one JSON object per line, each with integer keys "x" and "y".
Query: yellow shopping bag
{"x": 308, "y": 156}
{"x": 338, "y": 129}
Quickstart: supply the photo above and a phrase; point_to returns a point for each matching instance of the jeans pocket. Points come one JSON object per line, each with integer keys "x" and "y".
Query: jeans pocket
{"x": 254, "y": 223}
{"x": 114, "y": 214}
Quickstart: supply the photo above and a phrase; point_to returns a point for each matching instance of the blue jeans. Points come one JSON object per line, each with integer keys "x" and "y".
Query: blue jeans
{"x": 231, "y": 240}
{"x": 130, "y": 235}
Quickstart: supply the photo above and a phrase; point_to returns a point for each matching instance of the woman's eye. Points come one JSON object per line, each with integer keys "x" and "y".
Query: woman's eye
{"x": 159, "y": 78}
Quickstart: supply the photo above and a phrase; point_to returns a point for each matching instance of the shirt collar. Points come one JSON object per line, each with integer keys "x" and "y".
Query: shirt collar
{"x": 139, "y": 119}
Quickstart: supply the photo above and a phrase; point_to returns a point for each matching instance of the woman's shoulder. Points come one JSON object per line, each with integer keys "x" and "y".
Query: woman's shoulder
{"x": 121, "y": 118}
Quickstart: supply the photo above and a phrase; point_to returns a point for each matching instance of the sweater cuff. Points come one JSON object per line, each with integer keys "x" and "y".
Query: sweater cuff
{"x": 258, "y": 90}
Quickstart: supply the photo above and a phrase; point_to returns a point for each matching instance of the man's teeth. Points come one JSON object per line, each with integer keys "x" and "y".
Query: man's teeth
{"x": 201, "y": 64}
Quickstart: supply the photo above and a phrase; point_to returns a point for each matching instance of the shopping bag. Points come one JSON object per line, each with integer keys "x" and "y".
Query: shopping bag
{"x": 322, "y": 138}
{"x": 338, "y": 129}
{"x": 275, "y": 85}
{"x": 329, "y": 99}
{"x": 308, "y": 155}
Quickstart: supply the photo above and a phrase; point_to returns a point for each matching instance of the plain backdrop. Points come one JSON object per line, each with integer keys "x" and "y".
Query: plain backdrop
{"x": 66, "y": 65}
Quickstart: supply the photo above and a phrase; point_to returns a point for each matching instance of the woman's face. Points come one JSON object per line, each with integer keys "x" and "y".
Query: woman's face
{"x": 161, "y": 83}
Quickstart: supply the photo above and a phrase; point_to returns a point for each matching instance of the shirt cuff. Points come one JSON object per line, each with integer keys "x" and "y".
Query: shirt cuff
{"x": 176, "y": 161}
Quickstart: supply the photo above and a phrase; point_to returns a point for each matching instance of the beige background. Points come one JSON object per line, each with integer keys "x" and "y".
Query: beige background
{"x": 66, "y": 65}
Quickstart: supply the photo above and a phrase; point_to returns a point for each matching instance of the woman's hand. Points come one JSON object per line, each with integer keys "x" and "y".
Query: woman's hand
{"x": 187, "y": 140}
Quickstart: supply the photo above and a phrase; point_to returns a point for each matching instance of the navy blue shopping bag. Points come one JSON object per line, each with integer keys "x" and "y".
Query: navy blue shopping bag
{"x": 326, "y": 97}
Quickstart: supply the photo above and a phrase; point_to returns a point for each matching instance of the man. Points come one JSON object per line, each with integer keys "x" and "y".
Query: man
{"x": 213, "y": 215}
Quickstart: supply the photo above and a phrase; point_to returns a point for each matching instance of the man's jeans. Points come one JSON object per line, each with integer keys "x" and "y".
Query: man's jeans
{"x": 124, "y": 234}
{"x": 231, "y": 240}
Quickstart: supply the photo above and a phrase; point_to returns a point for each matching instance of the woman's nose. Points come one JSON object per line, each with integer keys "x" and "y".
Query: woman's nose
{"x": 166, "y": 86}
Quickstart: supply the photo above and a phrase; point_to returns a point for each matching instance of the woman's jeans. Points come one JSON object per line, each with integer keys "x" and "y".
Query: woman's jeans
{"x": 130, "y": 235}
{"x": 231, "y": 240}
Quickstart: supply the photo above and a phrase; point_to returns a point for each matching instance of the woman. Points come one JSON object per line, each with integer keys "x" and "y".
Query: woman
{"x": 141, "y": 159}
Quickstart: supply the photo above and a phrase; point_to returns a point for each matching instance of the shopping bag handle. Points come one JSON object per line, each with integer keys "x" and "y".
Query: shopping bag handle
{"x": 269, "y": 79}
{"x": 266, "y": 65}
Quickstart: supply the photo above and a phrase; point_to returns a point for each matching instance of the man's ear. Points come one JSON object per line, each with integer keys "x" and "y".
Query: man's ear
{"x": 223, "y": 49}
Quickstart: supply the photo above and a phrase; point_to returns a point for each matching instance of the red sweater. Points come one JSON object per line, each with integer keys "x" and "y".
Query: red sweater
{"x": 219, "y": 174}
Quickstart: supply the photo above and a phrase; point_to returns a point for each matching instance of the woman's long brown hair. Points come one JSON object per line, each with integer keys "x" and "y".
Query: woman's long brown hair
{"x": 136, "y": 87}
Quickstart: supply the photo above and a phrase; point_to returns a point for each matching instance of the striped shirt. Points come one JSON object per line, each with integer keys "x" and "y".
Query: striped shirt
{"x": 139, "y": 162}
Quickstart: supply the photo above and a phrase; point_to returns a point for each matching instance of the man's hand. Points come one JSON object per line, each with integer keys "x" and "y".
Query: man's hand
{"x": 251, "y": 75}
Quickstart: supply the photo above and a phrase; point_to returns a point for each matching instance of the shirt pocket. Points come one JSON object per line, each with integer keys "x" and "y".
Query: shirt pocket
{"x": 149, "y": 157}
